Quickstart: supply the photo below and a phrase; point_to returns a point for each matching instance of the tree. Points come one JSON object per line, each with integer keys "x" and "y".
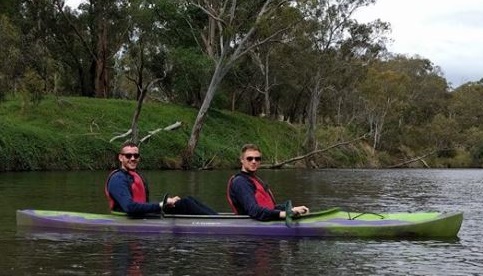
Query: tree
{"x": 10, "y": 8}
{"x": 338, "y": 44}
{"x": 465, "y": 105}
{"x": 101, "y": 35}
{"x": 9, "y": 56}
{"x": 383, "y": 95}
{"x": 414, "y": 94}
{"x": 230, "y": 33}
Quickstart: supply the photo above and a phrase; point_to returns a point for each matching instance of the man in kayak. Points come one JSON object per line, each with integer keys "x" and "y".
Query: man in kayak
{"x": 248, "y": 195}
{"x": 127, "y": 191}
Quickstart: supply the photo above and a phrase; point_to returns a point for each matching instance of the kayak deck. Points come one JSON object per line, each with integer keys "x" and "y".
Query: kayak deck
{"x": 328, "y": 223}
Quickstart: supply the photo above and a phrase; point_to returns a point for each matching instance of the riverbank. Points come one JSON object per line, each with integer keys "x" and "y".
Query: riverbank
{"x": 75, "y": 133}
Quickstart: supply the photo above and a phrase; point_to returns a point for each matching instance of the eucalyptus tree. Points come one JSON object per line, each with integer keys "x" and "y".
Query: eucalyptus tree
{"x": 10, "y": 8}
{"x": 465, "y": 105}
{"x": 428, "y": 97}
{"x": 231, "y": 30}
{"x": 147, "y": 58}
{"x": 385, "y": 95}
{"x": 401, "y": 96}
{"x": 38, "y": 60}
{"x": 261, "y": 57}
{"x": 464, "y": 109}
{"x": 267, "y": 57}
{"x": 137, "y": 59}
{"x": 25, "y": 37}
{"x": 9, "y": 55}
{"x": 338, "y": 42}
{"x": 100, "y": 27}
{"x": 256, "y": 84}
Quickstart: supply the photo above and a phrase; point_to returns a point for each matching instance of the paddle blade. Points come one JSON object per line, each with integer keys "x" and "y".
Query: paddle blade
{"x": 164, "y": 203}
{"x": 288, "y": 213}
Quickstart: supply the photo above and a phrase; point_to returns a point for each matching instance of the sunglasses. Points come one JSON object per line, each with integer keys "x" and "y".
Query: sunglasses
{"x": 251, "y": 158}
{"x": 131, "y": 155}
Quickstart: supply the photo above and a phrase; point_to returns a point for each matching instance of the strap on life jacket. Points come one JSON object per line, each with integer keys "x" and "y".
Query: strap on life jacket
{"x": 230, "y": 202}
{"x": 106, "y": 191}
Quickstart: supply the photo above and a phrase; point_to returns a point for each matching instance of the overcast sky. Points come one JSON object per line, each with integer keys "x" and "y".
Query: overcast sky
{"x": 449, "y": 33}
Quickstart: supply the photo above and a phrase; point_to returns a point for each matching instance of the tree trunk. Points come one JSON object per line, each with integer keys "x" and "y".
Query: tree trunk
{"x": 220, "y": 71}
{"x": 220, "y": 49}
{"x": 101, "y": 76}
{"x": 135, "y": 118}
{"x": 311, "y": 139}
{"x": 266, "y": 90}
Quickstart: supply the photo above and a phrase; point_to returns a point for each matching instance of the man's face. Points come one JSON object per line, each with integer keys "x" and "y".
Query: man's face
{"x": 251, "y": 160}
{"x": 129, "y": 158}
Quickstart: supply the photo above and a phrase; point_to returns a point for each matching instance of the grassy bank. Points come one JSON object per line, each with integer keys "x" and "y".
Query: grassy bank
{"x": 74, "y": 134}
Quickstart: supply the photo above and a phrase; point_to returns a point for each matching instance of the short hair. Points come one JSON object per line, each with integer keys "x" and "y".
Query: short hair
{"x": 249, "y": 147}
{"x": 128, "y": 144}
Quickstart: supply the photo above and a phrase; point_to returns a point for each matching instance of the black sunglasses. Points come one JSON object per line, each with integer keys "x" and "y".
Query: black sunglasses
{"x": 251, "y": 158}
{"x": 131, "y": 155}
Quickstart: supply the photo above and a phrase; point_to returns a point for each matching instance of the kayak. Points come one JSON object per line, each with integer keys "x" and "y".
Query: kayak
{"x": 328, "y": 223}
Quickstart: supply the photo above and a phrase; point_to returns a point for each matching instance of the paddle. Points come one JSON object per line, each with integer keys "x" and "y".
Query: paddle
{"x": 163, "y": 203}
{"x": 288, "y": 213}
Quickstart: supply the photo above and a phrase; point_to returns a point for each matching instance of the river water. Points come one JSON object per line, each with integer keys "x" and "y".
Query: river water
{"x": 25, "y": 252}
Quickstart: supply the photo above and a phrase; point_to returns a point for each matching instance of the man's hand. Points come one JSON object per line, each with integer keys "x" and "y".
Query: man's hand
{"x": 171, "y": 201}
{"x": 296, "y": 211}
{"x": 300, "y": 210}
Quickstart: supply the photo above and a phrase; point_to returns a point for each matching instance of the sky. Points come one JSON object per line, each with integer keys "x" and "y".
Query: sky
{"x": 449, "y": 33}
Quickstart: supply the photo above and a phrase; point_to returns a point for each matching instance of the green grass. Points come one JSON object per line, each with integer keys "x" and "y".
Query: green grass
{"x": 74, "y": 133}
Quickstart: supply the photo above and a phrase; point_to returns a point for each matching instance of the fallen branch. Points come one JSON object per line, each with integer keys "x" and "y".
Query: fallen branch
{"x": 419, "y": 158}
{"x": 121, "y": 136}
{"x": 168, "y": 128}
{"x": 207, "y": 165}
{"x": 151, "y": 133}
{"x": 279, "y": 165}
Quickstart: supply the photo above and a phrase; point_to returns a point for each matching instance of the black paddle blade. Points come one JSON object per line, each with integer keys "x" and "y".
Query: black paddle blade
{"x": 288, "y": 213}
{"x": 164, "y": 203}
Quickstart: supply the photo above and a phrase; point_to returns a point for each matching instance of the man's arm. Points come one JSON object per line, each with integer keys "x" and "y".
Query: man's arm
{"x": 118, "y": 188}
{"x": 244, "y": 194}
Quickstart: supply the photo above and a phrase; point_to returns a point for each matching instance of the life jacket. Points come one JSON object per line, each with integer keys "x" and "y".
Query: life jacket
{"x": 263, "y": 194}
{"x": 137, "y": 188}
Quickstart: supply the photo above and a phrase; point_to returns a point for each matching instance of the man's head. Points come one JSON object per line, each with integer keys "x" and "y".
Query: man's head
{"x": 129, "y": 156}
{"x": 250, "y": 158}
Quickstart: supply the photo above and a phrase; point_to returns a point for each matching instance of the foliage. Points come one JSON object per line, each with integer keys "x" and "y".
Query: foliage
{"x": 9, "y": 55}
{"x": 465, "y": 105}
{"x": 322, "y": 70}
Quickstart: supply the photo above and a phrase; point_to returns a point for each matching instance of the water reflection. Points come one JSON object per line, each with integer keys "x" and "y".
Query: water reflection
{"x": 81, "y": 253}
{"x": 122, "y": 254}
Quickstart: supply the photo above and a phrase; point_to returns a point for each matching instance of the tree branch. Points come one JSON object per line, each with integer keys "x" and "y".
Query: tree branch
{"x": 168, "y": 128}
{"x": 279, "y": 165}
{"x": 419, "y": 158}
{"x": 60, "y": 6}
{"x": 121, "y": 135}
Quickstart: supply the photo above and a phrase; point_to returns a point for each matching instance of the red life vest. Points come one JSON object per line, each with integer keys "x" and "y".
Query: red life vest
{"x": 138, "y": 190}
{"x": 263, "y": 196}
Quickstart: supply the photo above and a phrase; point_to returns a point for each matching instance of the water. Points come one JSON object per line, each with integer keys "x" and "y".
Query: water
{"x": 25, "y": 252}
